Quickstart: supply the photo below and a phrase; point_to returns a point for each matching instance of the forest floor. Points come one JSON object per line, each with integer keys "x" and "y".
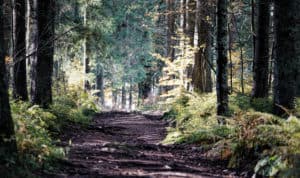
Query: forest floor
{"x": 120, "y": 144}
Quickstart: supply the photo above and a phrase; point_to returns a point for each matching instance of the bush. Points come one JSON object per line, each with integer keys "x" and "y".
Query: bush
{"x": 250, "y": 135}
{"x": 35, "y": 128}
{"x": 74, "y": 107}
{"x": 36, "y": 147}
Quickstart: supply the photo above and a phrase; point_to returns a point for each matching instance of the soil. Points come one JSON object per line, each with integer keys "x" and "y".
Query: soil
{"x": 119, "y": 144}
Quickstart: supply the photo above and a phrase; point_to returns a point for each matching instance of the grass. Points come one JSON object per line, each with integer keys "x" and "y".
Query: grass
{"x": 251, "y": 137}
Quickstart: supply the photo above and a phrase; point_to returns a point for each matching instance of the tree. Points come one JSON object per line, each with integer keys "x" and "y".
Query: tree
{"x": 19, "y": 51}
{"x": 171, "y": 18}
{"x": 86, "y": 48}
{"x": 7, "y": 140}
{"x": 222, "y": 83}
{"x": 7, "y": 30}
{"x": 100, "y": 85}
{"x": 261, "y": 61}
{"x": 32, "y": 31}
{"x": 190, "y": 33}
{"x": 42, "y": 66}
{"x": 202, "y": 79}
{"x": 190, "y": 20}
{"x": 124, "y": 95}
{"x": 298, "y": 86}
{"x": 130, "y": 96}
{"x": 287, "y": 57}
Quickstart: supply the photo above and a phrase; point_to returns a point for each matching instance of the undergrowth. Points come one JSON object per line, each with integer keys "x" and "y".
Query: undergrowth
{"x": 37, "y": 130}
{"x": 251, "y": 137}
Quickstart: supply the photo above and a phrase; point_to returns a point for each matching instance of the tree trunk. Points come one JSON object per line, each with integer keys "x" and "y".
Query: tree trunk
{"x": 123, "y": 96}
{"x": 298, "y": 85}
{"x": 182, "y": 46}
{"x": 31, "y": 31}
{"x": 241, "y": 46}
{"x": 190, "y": 32}
{"x": 230, "y": 58}
{"x": 76, "y": 11}
{"x": 170, "y": 29}
{"x": 87, "y": 70}
{"x": 100, "y": 86}
{"x": 8, "y": 37}
{"x": 115, "y": 99}
{"x": 130, "y": 96}
{"x": 201, "y": 77}
{"x": 222, "y": 83}
{"x": 261, "y": 62}
{"x": 190, "y": 20}
{"x": 253, "y": 30}
{"x": 272, "y": 47}
{"x": 208, "y": 61}
{"x": 7, "y": 134}
{"x": 287, "y": 60}
{"x": 145, "y": 87}
{"x": 19, "y": 37}
{"x": 86, "y": 51}
{"x": 42, "y": 66}
{"x": 183, "y": 15}
{"x": 242, "y": 70}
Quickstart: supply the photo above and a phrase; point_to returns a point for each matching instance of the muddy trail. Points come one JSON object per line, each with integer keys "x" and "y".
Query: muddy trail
{"x": 128, "y": 145}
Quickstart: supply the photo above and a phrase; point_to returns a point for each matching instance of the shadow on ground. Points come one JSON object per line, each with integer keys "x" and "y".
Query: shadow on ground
{"x": 121, "y": 144}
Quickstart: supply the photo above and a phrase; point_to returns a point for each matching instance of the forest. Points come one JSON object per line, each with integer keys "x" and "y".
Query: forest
{"x": 149, "y": 88}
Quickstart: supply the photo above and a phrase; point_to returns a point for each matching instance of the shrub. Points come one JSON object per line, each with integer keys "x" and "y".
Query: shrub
{"x": 35, "y": 144}
{"x": 35, "y": 128}
{"x": 251, "y": 136}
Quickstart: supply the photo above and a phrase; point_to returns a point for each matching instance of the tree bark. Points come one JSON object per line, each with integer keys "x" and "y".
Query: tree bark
{"x": 170, "y": 29}
{"x": 230, "y": 58}
{"x": 7, "y": 134}
{"x": 222, "y": 83}
{"x": 130, "y": 96}
{"x": 287, "y": 60}
{"x": 183, "y": 20}
{"x": 8, "y": 37}
{"x": 145, "y": 86}
{"x": 201, "y": 78}
{"x": 123, "y": 96}
{"x": 298, "y": 85}
{"x": 242, "y": 70}
{"x": 19, "y": 37}
{"x": 261, "y": 62}
{"x": 42, "y": 66}
{"x": 86, "y": 50}
{"x": 190, "y": 32}
{"x": 190, "y": 20}
{"x": 253, "y": 30}
{"x": 31, "y": 31}
{"x": 100, "y": 86}
{"x": 115, "y": 99}
{"x": 241, "y": 45}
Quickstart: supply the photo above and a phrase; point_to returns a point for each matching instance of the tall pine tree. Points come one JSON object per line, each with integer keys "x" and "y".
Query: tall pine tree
{"x": 287, "y": 58}
{"x": 222, "y": 83}
{"x": 261, "y": 60}
{"x": 19, "y": 37}
{"x": 42, "y": 66}
{"x": 7, "y": 140}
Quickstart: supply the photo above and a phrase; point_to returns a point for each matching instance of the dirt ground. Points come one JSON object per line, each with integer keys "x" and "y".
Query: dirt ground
{"x": 121, "y": 144}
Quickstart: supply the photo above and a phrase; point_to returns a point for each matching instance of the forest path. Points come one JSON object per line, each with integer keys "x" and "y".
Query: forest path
{"x": 127, "y": 145}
